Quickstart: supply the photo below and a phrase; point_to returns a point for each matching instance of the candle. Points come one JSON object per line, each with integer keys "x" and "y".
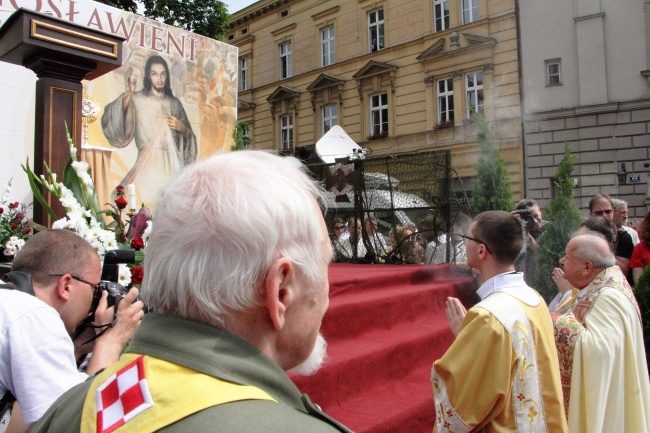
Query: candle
{"x": 131, "y": 193}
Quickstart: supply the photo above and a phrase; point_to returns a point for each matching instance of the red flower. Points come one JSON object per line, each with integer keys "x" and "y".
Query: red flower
{"x": 27, "y": 231}
{"x": 137, "y": 273}
{"x": 14, "y": 226}
{"x": 137, "y": 243}
{"x": 13, "y": 205}
{"x": 119, "y": 189}
{"x": 121, "y": 202}
{"x": 2, "y": 209}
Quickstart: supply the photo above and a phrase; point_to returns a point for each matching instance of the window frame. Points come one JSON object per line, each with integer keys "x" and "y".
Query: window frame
{"x": 471, "y": 8}
{"x": 379, "y": 25}
{"x": 243, "y": 74}
{"x": 551, "y": 62}
{"x": 475, "y": 89}
{"x": 327, "y": 46}
{"x": 444, "y": 19}
{"x": 286, "y": 69}
{"x": 332, "y": 119}
{"x": 286, "y": 132}
{"x": 448, "y": 96}
{"x": 382, "y": 111}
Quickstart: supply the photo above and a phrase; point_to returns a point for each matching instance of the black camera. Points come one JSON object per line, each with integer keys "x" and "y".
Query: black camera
{"x": 527, "y": 218}
{"x": 110, "y": 277}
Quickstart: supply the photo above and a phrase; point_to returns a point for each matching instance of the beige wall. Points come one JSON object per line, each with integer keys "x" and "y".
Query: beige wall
{"x": 414, "y": 58}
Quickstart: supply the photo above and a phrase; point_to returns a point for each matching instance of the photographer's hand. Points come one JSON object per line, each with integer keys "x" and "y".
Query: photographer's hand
{"x": 109, "y": 346}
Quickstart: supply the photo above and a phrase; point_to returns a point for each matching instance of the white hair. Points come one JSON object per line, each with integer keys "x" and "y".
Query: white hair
{"x": 588, "y": 249}
{"x": 616, "y": 203}
{"x": 219, "y": 226}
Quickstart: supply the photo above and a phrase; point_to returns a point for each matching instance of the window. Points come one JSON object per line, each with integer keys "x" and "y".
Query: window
{"x": 441, "y": 15}
{"x": 231, "y": 36}
{"x": 285, "y": 60}
{"x": 244, "y": 31}
{"x": 553, "y": 72}
{"x": 330, "y": 117}
{"x": 284, "y": 13}
{"x": 243, "y": 74}
{"x": 474, "y": 87}
{"x": 470, "y": 11}
{"x": 327, "y": 46}
{"x": 286, "y": 132}
{"x": 376, "y": 30}
{"x": 445, "y": 100}
{"x": 379, "y": 114}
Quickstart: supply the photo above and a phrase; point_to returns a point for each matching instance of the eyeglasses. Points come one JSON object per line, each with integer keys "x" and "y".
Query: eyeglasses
{"x": 603, "y": 212}
{"x": 97, "y": 293}
{"x": 478, "y": 241}
{"x": 339, "y": 227}
{"x": 94, "y": 286}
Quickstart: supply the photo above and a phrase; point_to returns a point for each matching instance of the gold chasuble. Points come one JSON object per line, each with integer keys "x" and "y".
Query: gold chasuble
{"x": 143, "y": 394}
{"x": 501, "y": 373}
{"x": 602, "y": 360}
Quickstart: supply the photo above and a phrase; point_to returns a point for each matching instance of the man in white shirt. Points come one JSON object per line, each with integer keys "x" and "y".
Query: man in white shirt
{"x": 620, "y": 219}
{"x": 37, "y": 360}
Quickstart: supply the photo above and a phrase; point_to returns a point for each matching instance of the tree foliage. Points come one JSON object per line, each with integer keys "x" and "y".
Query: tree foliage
{"x": 642, "y": 294}
{"x": 127, "y": 5}
{"x": 492, "y": 190}
{"x": 205, "y": 17}
{"x": 240, "y": 137}
{"x": 563, "y": 219}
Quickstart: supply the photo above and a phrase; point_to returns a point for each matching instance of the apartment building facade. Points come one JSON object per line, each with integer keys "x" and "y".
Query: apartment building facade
{"x": 399, "y": 76}
{"x": 586, "y": 81}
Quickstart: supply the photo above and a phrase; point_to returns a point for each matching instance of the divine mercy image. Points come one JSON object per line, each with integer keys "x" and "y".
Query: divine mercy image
{"x": 157, "y": 121}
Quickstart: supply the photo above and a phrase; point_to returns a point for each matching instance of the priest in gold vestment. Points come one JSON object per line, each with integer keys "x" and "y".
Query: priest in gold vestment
{"x": 501, "y": 373}
{"x": 600, "y": 344}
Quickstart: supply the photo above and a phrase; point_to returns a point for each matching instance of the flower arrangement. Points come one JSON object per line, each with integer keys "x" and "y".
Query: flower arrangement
{"x": 443, "y": 125}
{"x": 14, "y": 226}
{"x": 378, "y": 136}
{"x": 78, "y": 196}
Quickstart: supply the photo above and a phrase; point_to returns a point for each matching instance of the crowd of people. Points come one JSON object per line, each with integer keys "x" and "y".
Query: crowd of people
{"x": 232, "y": 314}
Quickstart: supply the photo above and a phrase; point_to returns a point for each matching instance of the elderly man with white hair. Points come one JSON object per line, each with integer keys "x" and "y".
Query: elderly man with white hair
{"x": 232, "y": 312}
{"x": 599, "y": 338}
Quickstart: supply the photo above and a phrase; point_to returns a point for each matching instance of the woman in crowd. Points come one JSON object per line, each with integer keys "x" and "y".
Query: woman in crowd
{"x": 641, "y": 254}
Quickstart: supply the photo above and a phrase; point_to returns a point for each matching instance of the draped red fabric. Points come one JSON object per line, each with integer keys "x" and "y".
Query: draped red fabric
{"x": 385, "y": 326}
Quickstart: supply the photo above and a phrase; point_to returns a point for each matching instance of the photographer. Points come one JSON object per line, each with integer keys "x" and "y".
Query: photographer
{"x": 528, "y": 211}
{"x": 56, "y": 276}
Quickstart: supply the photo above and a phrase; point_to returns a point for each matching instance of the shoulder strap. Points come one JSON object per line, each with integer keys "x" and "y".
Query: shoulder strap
{"x": 6, "y": 402}
{"x": 21, "y": 281}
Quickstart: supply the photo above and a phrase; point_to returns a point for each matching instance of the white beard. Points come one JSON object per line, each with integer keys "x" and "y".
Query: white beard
{"x": 315, "y": 359}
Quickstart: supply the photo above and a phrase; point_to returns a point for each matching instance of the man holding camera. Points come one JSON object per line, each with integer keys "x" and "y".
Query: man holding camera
{"x": 54, "y": 288}
{"x": 232, "y": 313}
{"x": 531, "y": 216}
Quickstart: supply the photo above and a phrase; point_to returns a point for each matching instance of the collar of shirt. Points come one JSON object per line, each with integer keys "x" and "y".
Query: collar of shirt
{"x": 501, "y": 281}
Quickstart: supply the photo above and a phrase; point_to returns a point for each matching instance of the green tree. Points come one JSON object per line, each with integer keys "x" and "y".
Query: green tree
{"x": 240, "y": 137}
{"x": 563, "y": 219}
{"x": 127, "y": 5}
{"x": 205, "y": 17}
{"x": 642, "y": 294}
{"x": 492, "y": 190}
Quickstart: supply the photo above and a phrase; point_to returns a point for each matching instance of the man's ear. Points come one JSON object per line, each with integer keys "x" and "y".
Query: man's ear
{"x": 62, "y": 288}
{"x": 588, "y": 267}
{"x": 279, "y": 292}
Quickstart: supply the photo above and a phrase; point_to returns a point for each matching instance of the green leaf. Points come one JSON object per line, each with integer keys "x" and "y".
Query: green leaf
{"x": 36, "y": 191}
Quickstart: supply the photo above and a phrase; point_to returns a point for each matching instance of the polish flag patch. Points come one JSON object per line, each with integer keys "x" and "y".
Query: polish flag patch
{"x": 122, "y": 397}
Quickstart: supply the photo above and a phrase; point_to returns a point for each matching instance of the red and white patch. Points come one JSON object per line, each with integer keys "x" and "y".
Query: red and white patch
{"x": 123, "y": 396}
